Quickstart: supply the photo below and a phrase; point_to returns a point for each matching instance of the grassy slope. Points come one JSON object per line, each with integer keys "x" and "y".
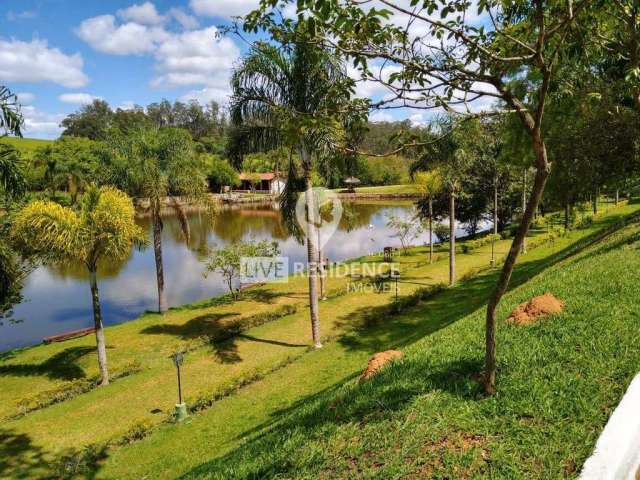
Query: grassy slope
{"x": 25, "y": 145}
{"x": 424, "y": 417}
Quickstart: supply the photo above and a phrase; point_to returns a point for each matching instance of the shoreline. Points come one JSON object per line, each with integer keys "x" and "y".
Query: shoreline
{"x": 167, "y": 203}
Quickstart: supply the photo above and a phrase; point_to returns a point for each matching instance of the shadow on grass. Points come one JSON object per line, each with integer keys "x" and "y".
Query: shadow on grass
{"x": 61, "y": 366}
{"x": 203, "y": 325}
{"x": 19, "y": 458}
{"x": 311, "y": 419}
{"x": 271, "y": 342}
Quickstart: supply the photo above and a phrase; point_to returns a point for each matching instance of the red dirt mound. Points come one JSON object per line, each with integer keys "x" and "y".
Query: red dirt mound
{"x": 378, "y": 361}
{"x": 536, "y": 308}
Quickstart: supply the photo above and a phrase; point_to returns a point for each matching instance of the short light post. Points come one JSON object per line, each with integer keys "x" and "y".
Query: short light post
{"x": 181, "y": 407}
{"x": 395, "y": 274}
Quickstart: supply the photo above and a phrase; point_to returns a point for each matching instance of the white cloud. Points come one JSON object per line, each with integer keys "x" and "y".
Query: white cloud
{"x": 127, "y": 105}
{"x": 223, "y": 8}
{"x": 39, "y": 124}
{"x": 208, "y": 94}
{"x": 26, "y": 98}
{"x": 145, "y": 14}
{"x": 78, "y": 98}
{"x": 188, "y": 22}
{"x": 417, "y": 120}
{"x": 197, "y": 58}
{"x": 34, "y": 61}
{"x": 131, "y": 38}
{"x": 381, "y": 117}
{"x": 192, "y": 58}
{"x": 24, "y": 15}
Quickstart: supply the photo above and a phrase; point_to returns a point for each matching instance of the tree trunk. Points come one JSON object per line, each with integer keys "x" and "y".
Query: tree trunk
{"x": 430, "y": 229}
{"x": 97, "y": 321}
{"x": 567, "y": 216}
{"x": 321, "y": 271}
{"x": 543, "y": 170}
{"x": 312, "y": 250}
{"x": 617, "y": 196}
{"x": 524, "y": 207}
{"x": 595, "y": 203}
{"x": 495, "y": 223}
{"x": 452, "y": 239}
{"x": 157, "y": 249}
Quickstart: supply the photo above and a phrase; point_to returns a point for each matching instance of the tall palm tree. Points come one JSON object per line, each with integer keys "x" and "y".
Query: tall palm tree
{"x": 158, "y": 163}
{"x": 430, "y": 185}
{"x": 103, "y": 228}
{"x": 280, "y": 95}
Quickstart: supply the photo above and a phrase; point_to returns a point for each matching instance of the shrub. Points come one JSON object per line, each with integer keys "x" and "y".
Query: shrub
{"x": 442, "y": 231}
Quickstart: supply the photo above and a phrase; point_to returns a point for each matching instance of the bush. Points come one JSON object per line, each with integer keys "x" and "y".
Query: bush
{"x": 442, "y": 232}
{"x": 585, "y": 222}
{"x": 470, "y": 245}
{"x": 539, "y": 222}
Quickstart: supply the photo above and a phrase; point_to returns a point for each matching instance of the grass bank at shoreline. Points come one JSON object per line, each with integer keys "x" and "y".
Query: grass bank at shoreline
{"x": 220, "y": 359}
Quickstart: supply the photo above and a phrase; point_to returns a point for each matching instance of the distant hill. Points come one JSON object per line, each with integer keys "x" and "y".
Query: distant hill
{"x": 25, "y": 145}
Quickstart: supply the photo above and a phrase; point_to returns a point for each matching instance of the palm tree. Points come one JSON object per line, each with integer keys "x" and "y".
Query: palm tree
{"x": 11, "y": 119}
{"x": 281, "y": 95}
{"x": 430, "y": 185}
{"x": 103, "y": 228}
{"x": 451, "y": 154}
{"x": 158, "y": 163}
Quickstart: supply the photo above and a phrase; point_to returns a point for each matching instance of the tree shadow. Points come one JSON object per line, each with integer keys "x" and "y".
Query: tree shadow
{"x": 264, "y": 295}
{"x": 19, "y": 457}
{"x": 61, "y": 366}
{"x": 271, "y": 342}
{"x": 310, "y": 419}
{"x": 209, "y": 325}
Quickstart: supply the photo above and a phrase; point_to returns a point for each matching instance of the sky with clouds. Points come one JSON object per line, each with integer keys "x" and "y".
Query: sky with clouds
{"x": 60, "y": 54}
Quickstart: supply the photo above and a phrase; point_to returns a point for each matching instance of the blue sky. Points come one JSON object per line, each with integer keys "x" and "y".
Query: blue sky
{"x": 59, "y": 54}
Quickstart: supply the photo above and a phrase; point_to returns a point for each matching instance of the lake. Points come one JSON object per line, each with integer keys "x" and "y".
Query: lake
{"x": 57, "y": 298}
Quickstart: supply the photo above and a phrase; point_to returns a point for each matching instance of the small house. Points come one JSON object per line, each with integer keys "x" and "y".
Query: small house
{"x": 262, "y": 182}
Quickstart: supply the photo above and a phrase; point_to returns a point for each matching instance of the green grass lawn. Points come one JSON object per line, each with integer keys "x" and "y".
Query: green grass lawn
{"x": 425, "y": 417}
{"x": 25, "y": 145}
{"x": 272, "y": 362}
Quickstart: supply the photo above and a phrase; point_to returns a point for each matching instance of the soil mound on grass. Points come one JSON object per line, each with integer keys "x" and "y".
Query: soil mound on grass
{"x": 378, "y": 361}
{"x": 535, "y": 309}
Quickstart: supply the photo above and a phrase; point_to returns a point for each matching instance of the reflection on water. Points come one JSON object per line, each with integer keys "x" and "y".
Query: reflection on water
{"x": 58, "y": 298}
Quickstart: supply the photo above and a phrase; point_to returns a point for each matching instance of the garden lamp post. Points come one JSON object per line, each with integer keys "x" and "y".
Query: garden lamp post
{"x": 181, "y": 407}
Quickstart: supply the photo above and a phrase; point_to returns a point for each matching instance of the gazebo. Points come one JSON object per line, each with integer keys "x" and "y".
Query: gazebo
{"x": 352, "y": 182}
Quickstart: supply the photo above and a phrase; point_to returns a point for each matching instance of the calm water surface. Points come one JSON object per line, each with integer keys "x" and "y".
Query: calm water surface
{"x": 57, "y": 298}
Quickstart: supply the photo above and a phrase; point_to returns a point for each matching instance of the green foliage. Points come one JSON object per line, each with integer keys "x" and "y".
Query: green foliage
{"x": 13, "y": 183}
{"x": 262, "y": 162}
{"x": 406, "y": 229}
{"x": 429, "y": 183}
{"x": 390, "y": 170}
{"x": 105, "y": 226}
{"x": 154, "y": 163}
{"x": 221, "y": 173}
{"x": 442, "y": 231}
{"x": 11, "y": 119}
{"x": 471, "y": 245}
{"x": 227, "y": 260}
{"x": 98, "y": 121}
